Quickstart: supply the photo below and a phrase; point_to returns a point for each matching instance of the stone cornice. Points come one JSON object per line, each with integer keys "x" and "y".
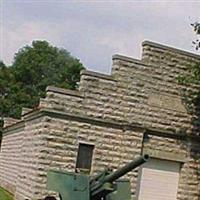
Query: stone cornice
{"x": 165, "y": 133}
{"x": 64, "y": 91}
{"x": 95, "y": 121}
{"x": 102, "y": 122}
{"x": 14, "y": 127}
{"x": 97, "y": 75}
{"x": 113, "y": 124}
{"x": 128, "y": 59}
{"x": 171, "y": 134}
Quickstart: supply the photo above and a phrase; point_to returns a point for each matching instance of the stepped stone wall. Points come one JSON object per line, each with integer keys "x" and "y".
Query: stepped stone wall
{"x": 137, "y": 109}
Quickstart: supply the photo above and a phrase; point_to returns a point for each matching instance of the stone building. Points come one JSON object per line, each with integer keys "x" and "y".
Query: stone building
{"x": 111, "y": 119}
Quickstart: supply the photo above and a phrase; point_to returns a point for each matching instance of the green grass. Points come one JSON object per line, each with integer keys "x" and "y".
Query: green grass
{"x": 4, "y": 195}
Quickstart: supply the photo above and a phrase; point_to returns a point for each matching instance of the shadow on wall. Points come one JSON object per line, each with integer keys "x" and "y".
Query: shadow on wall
{"x": 190, "y": 94}
{"x": 191, "y": 100}
{"x": 196, "y": 118}
{"x": 1, "y": 131}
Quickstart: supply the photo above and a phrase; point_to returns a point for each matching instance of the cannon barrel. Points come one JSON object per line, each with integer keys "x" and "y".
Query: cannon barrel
{"x": 127, "y": 168}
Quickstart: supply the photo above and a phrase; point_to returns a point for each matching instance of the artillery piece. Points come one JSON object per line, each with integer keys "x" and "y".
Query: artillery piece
{"x": 103, "y": 186}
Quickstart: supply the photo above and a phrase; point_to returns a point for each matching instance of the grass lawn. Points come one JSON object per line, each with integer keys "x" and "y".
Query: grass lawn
{"x": 5, "y": 195}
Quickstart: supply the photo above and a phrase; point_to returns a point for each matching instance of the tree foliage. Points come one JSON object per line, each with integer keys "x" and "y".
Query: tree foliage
{"x": 196, "y": 27}
{"x": 194, "y": 70}
{"x": 193, "y": 77}
{"x": 191, "y": 91}
{"x": 37, "y": 66}
{"x": 34, "y": 68}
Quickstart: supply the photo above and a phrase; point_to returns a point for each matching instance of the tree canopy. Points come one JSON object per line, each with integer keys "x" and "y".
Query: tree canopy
{"x": 191, "y": 95}
{"x": 196, "y": 27}
{"x": 193, "y": 76}
{"x": 35, "y": 67}
{"x": 194, "y": 70}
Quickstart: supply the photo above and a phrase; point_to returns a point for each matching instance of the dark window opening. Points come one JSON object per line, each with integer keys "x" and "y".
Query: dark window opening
{"x": 84, "y": 157}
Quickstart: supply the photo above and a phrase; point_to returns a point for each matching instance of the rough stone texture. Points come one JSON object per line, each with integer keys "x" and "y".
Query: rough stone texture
{"x": 8, "y": 121}
{"x": 10, "y": 160}
{"x": 136, "y": 109}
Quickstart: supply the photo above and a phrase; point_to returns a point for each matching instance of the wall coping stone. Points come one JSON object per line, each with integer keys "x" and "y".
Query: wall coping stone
{"x": 64, "y": 91}
{"x": 25, "y": 111}
{"x": 97, "y": 75}
{"x": 128, "y": 59}
{"x": 8, "y": 121}
{"x": 12, "y": 128}
{"x": 165, "y": 47}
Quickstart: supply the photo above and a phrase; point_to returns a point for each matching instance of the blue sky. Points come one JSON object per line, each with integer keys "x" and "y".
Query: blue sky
{"x": 95, "y": 30}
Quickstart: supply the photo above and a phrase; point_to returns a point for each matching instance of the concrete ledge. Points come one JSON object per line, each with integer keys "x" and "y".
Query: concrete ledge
{"x": 165, "y": 156}
{"x": 8, "y": 121}
{"x": 164, "y": 47}
{"x": 12, "y": 128}
{"x": 165, "y": 133}
{"x": 64, "y": 91}
{"x": 97, "y": 75}
{"x": 92, "y": 120}
{"x": 174, "y": 134}
{"x": 25, "y": 111}
{"x": 85, "y": 119}
{"x": 128, "y": 59}
{"x": 111, "y": 123}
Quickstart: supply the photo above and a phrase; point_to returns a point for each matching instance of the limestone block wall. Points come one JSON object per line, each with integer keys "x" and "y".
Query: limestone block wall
{"x": 151, "y": 92}
{"x": 32, "y": 145}
{"x": 19, "y": 157}
{"x": 137, "y": 91}
{"x": 10, "y": 156}
{"x": 137, "y": 109}
{"x": 113, "y": 147}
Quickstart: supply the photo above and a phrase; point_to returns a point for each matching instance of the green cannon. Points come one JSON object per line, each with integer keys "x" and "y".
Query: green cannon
{"x": 104, "y": 186}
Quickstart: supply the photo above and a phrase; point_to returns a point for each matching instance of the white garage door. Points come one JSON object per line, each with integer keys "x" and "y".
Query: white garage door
{"x": 159, "y": 180}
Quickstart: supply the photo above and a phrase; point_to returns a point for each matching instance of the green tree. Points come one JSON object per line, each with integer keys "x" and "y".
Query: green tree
{"x": 196, "y": 27}
{"x": 8, "y": 88}
{"x": 194, "y": 70}
{"x": 193, "y": 77}
{"x": 191, "y": 91}
{"x": 6, "y": 79}
{"x": 34, "y": 68}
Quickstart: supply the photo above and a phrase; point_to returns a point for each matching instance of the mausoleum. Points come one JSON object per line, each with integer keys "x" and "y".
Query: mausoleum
{"x": 108, "y": 121}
